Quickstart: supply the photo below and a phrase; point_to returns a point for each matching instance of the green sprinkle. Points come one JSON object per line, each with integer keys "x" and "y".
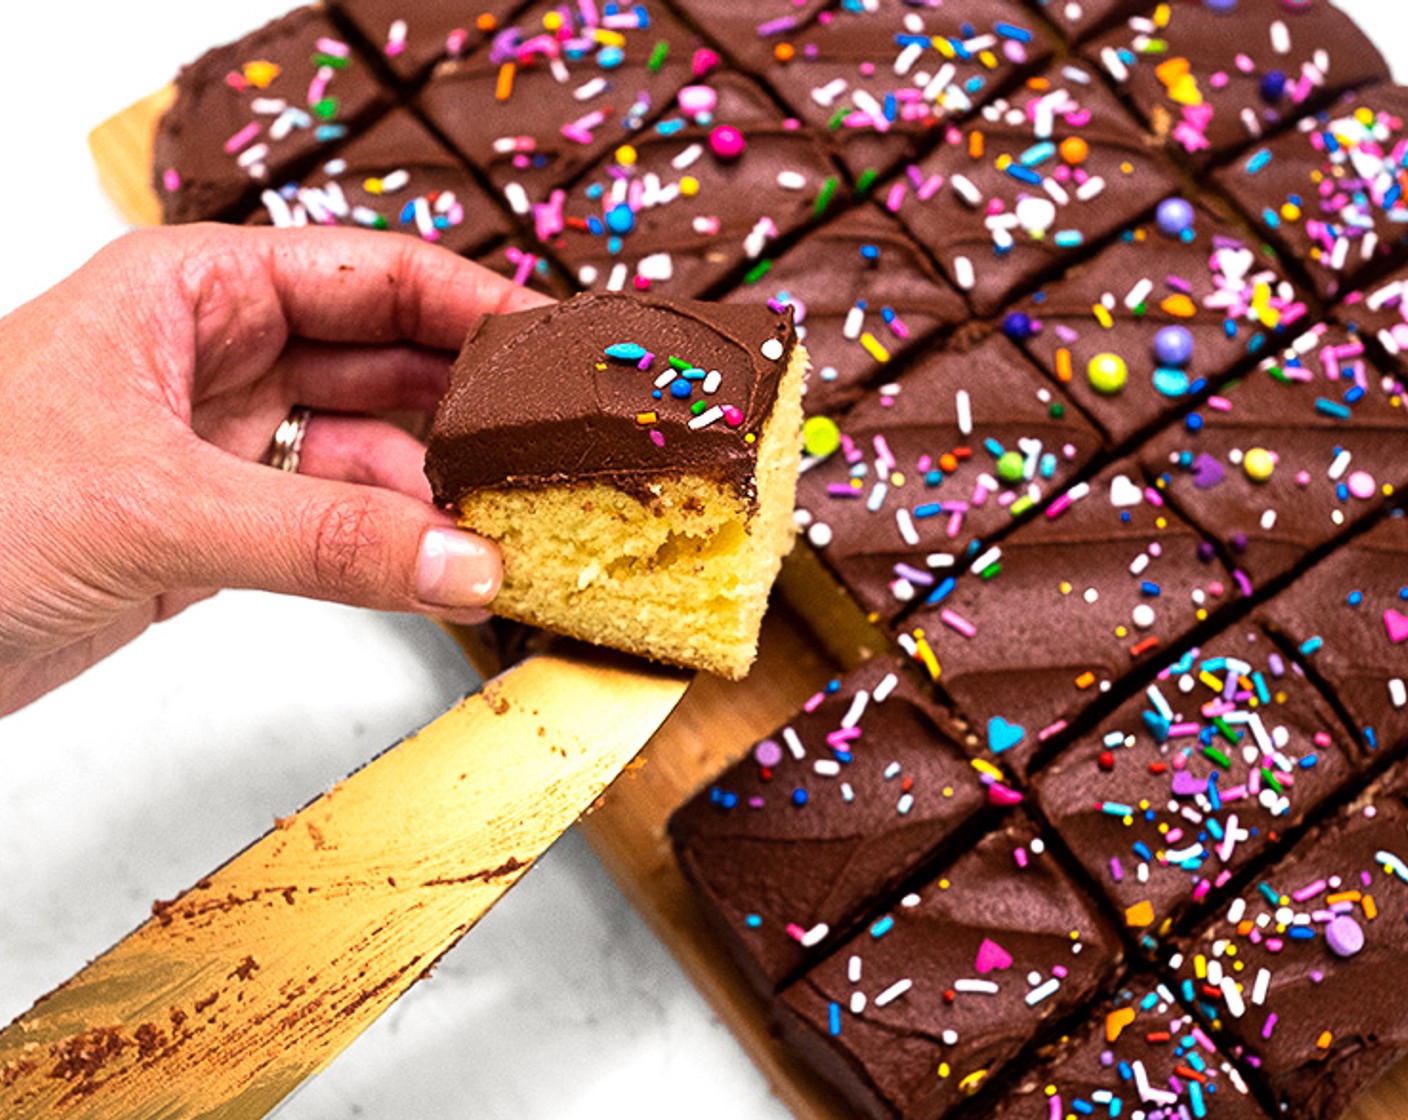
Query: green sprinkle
{"x": 679, "y": 363}
{"x": 1022, "y": 504}
{"x": 657, "y": 56}
{"x": 1218, "y": 757}
{"x": 321, "y": 59}
{"x": 866, "y": 180}
{"x": 697, "y": 407}
{"x": 1279, "y": 373}
{"x": 325, "y": 109}
{"x": 1230, "y": 733}
{"x": 758, "y": 271}
{"x": 1057, "y": 410}
{"x": 992, "y": 571}
{"x": 838, "y": 118}
{"x": 823, "y": 199}
{"x": 1270, "y": 779}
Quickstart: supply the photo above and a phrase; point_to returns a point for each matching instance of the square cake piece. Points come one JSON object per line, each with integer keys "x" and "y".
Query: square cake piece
{"x": 1066, "y": 608}
{"x": 831, "y": 812}
{"x": 250, "y": 113}
{"x": 558, "y": 88}
{"x": 1079, "y": 19}
{"x": 953, "y": 982}
{"x": 1029, "y": 185}
{"x": 967, "y": 441}
{"x": 1212, "y": 78}
{"x": 1139, "y": 1054}
{"x": 635, "y": 460}
{"x": 395, "y": 176}
{"x": 884, "y": 75}
{"x": 1325, "y": 193}
{"x": 1349, "y": 617}
{"x": 1172, "y": 307}
{"x": 692, "y": 199}
{"x": 1379, "y": 313}
{"x": 865, "y": 298}
{"x": 1193, "y": 780}
{"x": 410, "y": 36}
{"x": 1304, "y": 968}
{"x": 1290, "y": 457}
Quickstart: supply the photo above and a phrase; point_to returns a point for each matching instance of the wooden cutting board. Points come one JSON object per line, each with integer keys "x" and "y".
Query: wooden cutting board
{"x": 714, "y": 726}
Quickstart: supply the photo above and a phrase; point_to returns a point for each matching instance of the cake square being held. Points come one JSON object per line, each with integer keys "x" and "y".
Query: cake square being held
{"x": 635, "y": 460}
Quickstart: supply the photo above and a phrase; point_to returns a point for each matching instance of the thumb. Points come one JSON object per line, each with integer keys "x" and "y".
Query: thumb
{"x": 251, "y": 526}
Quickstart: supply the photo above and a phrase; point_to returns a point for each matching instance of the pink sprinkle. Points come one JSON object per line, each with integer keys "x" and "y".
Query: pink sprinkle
{"x": 1020, "y": 855}
{"x": 795, "y": 931}
{"x": 171, "y": 179}
{"x": 813, "y": 702}
{"x": 1116, "y": 870}
{"x": 1270, "y": 1025}
{"x": 334, "y": 47}
{"x": 1050, "y": 730}
{"x": 657, "y": 437}
{"x": 242, "y": 137}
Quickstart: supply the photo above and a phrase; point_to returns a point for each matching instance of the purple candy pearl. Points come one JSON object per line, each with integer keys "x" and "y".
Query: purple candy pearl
{"x": 1173, "y": 346}
{"x": 1175, "y": 217}
{"x": 1344, "y": 936}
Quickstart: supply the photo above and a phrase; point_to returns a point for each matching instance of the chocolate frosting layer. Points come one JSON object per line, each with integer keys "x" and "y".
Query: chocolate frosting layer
{"x": 950, "y": 985}
{"x": 1197, "y": 778}
{"x": 411, "y": 35}
{"x": 1307, "y": 968}
{"x": 1211, "y": 80}
{"x": 823, "y": 815}
{"x": 535, "y": 398}
{"x": 250, "y": 112}
{"x": 1349, "y": 616}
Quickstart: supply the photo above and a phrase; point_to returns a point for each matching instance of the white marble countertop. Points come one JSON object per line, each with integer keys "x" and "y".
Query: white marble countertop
{"x": 133, "y": 781}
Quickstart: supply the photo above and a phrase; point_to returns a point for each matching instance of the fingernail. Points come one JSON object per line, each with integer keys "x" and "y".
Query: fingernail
{"x": 456, "y": 569}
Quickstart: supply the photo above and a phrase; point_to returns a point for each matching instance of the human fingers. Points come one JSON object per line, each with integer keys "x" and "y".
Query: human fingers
{"x": 364, "y": 450}
{"x": 239, "y": 524}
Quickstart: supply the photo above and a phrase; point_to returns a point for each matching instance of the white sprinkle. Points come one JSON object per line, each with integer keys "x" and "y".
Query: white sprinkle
{"x": 794, "y": 743}
{"x": 1237, "y": 911}
{"x": 819, "y": 534}
{"x": 857, "y": 1002}
{"x": 987, "y": 559}
{"x": 976, "y": 987}
{"x": 1263, "y": 983}
{"x": 1280, "y": 37}
{"x": 687, "y": 157}
{"x": 1233, "y": 998}
{"x": 893, "y": 992}
{"x": 772, "y": 349}
{"x": 517, "y": 198}
{"x": 963, "y": 273}
{"x": 1268, "y": 520}
{"x": 905, "y": 804}
{"x": 791, "y": 180}
{"x": 1037, "y": 994}
{"x": 615, "y": 282}
{"x": 1147, "y": 1093}
{"x": 855, "y": 322}
{"x": 712, "y": 380}
{"x": 964, "y": 404}
{"x": 1139, "y": 293}
{"x": 853, "y": 968}
{"x": 856, "y": 710}
{"x": 816, "y": 935}
{"x": 1339, "y": 466}
{"x": 1143, "y": 616}
{"x": 587, "y": 90}
{"x": 1397, "y": 692}
{"x": 847, "y": 793}
{"x": 827, "y": 767}
{"x": 966, "y": 190}
{"x": 939, "y": 560}
{"x": 657, "y": 266}
{"x": 949, "y": 1037}
{"x": 906, "y": 527}
{"x": 884, "y": 688}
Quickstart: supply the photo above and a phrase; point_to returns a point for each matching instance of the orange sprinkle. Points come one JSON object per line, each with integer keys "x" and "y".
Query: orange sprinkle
{"x": 1144, "y": 647}
{"x": 1139, "y": 915}
{"x": 1039, "y": 84}
{"x": 1074, "y": 150}
{"x": 1085, "y": 680}
{"x": 646, "y": 417}
{"x": 486, "y": 21}
{"x": 1371, "y": 909}
{"x": 975, "y": 144}
{"x": 1116, "y": 1021}
{"x": 1243, "y": 928}
{"x": 784, "y": 52}
{"x": 1179, "y": 306}
{"x": 948, "y": 462}
{"x": 1324, "y": 1040}
{"x": 1191, "y": 1074}
{"x": 504, "y": 87}
{"x": 1342, "y": 896}
{"x": 1064, "y": 372}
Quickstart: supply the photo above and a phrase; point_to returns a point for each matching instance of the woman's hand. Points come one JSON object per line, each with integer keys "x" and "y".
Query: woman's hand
{"x": 138, "y": 396}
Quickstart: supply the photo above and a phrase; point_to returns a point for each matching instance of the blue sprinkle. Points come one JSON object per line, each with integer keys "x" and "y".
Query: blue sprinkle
{"x": 799, "y": 797}
{"x": 1301, "y": 933}
{"x": 1023, "y": 174}
{"x": 1311, "y": 645}
{"x": 1150, "y": 588}
{"x": 1258, "y": 160}
{"x": 1355, "y": 598}
{"x": 1085, "y": 1108}
{"x": 1332, "y": 408}
{"x": 882, "y": 927}
{"x": 870, "y": 252}
{"x": 940, "y": 593}
{"x": 993, "y": 448}
{"x": 625, "y": 351}
{"x": 1008, "y": 31}
{"x": 1069, "y": 239}
{"x": 752, "y": 921}
{"x": 1037, "y": 154}
{"x": 928, "y": 509}
{"x": 1141, "y": 849}
{"x": 680, "y": 388}
{"x": 1269, "y": 894}
{"x": 833, "y": 1018}
{"x": 1308, "y": 762}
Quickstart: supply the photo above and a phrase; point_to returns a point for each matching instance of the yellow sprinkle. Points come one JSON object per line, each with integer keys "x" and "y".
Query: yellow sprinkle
{"x": 969, "y": 1085}
{"x": 626, "y": 155}
{"x": 646, "y": 417}
{"x": 943, "y": 1069}
{"x": 371, "y": 186}
{"x": 873, "y": 347}
{"x": 1103, "y": 316}
{"x": 926, "y": 655}
{"x": 943, "y": 46}
{"x": 1200, "y": 967}
{"x": 504, "y": 86}
{"x": 552, "y": 21}
{"x": 260, "y": 73}
{"x": 1291, "y": 212}
{"x": 1003, "y": 162}
{"x": 983, "y": 766}
{"x": 988, "y": 59}
{"x": 749, "y": 438}
{"x": 944, "y": 884}
{"x": 1211, "y": 681}
{"x": 610, "y": 38}
{"x": 1064, "y": 587}
{"x": 1162, "y": 14}
{"x": 689, "y": 186}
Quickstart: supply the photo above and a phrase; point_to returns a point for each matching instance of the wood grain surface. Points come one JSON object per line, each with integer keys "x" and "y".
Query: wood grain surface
{"x": 715, "y": 724}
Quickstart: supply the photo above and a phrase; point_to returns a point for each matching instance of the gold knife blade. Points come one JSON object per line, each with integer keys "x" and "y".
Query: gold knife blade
{"x": 239, "y": 989}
